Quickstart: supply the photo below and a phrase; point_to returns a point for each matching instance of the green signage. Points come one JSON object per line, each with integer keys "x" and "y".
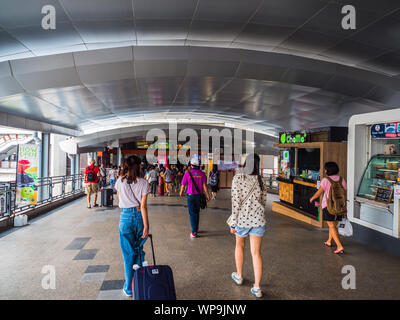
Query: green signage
{"x": 293, "y": 137}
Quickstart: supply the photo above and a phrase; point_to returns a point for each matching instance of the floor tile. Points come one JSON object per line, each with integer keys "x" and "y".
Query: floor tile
{"x": 112, "y": 285}
{"x": 98, "y": 268}
{"x": 77, "y": 244}
{"x": 86, "y": 254}
{"x": 94, "y": 277}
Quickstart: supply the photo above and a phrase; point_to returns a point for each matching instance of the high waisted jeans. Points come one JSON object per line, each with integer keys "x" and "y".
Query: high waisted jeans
{"x": 130, "y": 232}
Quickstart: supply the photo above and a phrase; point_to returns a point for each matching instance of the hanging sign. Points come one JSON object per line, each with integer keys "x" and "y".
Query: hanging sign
{"x": 287, "y": 137}
{"x": 27, "y": 175}
{"x": 385, "y": 130}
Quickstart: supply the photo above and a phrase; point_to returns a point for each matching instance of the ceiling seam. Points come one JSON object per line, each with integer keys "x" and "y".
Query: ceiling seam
{"x": 361, "y": 29}
{"x": 83, "y": 84}
{"x": 72, "y": 23}
{"x": 16, "y": 39}
{"x": 261, "y": 4}
{"x": 134, "y": 21}
{"x": 35, "y": 96}
{"x": 303, "y": 24}
{"x": 191, "y": 21}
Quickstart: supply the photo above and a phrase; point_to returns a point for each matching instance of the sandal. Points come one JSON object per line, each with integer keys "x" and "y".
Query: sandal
{"x": 89, "y": 206}
{"x": 328, "y": 245}
{"x": 96, "y": 205}
{"x": 339, "y": 251}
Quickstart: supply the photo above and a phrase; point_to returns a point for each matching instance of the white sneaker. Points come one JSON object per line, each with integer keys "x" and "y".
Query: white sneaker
{"x": 238, "y": 280}
{"x": 128, "y": 295}
{"x": 256, "y": 292}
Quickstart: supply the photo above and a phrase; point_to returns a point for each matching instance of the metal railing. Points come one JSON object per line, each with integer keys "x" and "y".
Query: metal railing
{"x": 48, "y": 189}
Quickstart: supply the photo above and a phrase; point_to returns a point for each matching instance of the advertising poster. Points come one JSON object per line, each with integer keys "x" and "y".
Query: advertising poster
{"x": 27, "y": 174}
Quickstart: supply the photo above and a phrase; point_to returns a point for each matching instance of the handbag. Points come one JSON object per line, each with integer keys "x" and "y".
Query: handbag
{"x": 345, "y": 228}
{"x": 203, "y": 200}
{"x": 229, "y": 221}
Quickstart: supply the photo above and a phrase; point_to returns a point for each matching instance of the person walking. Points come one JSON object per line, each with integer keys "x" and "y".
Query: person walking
{"x": 194, "y": 174}
{"x": 249, "y": 197}
{"x": 332, "y": 177}
{"x": 168, "y": 180}
{"x": 213, "y": 180}
{"x": 112, "y": 176}
{"x": 103, "y": 176}
{"x": 134, "y": 223}
{"x": 153, "y": 180}
{"x": 161, "y": 182}
{"x": 92, "y": 182}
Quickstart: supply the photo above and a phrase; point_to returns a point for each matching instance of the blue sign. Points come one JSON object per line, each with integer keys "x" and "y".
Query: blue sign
{"x": 386, "y": 130}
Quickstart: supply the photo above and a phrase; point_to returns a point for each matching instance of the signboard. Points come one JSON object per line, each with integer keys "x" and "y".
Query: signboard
{"x": 385, "y": 130}
{"x": 287, "y": 137}
{"x": 225, "y": 166}
{"x": 27, "y": 174}
{"x": 383, "y": 194}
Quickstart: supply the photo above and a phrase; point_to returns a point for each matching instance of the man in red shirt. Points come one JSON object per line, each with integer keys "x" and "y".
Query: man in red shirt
{"x": 92, "y": 182}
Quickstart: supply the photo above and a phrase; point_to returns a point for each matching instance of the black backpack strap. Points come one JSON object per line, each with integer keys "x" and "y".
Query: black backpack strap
{"x": 195, "y": 184}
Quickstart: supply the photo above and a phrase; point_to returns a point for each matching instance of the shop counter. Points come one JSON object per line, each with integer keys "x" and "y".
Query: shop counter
{"x": 295, "y": 194}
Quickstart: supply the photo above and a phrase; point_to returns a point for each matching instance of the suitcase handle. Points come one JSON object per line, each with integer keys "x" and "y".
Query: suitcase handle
{"x": 152, "y": 249}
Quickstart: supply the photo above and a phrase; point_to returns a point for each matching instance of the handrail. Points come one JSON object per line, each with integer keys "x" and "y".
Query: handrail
{"x": 49, "y": 189}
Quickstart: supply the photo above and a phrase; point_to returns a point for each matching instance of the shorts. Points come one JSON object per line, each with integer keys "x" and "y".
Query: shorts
{"x": 330, "y": 217}
{"x": 92, "y": 187}
{"x": 244, "y": 232}
{"x": 214, "y": 188}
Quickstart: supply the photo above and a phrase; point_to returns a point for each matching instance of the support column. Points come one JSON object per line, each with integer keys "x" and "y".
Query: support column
{"x": 43, "y": 170}
{"x": 119, "y": 156}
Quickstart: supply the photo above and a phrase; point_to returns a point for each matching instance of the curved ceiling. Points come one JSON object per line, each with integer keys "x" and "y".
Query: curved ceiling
{"x": 266, "y": 65}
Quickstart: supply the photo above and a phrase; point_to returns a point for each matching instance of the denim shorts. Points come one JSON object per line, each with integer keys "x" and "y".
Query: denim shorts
{"x": 244, "y": 232}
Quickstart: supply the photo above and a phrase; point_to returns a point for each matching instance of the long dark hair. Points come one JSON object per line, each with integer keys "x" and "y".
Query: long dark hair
{"x": 252, "y": 163}
{"x": 131, "y": 169}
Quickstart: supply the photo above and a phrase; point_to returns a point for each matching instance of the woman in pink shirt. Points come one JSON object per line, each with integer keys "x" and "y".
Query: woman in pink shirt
{"x": 331, "y": 170}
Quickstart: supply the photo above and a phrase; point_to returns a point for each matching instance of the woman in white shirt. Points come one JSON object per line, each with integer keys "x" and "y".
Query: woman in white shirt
{"x": 134, "y": 224}
{"x": 249, "y": 197}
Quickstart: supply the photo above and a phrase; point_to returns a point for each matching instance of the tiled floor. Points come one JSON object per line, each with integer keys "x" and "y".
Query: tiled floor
{"x": 82, "y": 246}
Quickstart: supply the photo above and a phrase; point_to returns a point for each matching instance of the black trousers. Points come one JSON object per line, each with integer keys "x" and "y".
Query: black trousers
{"x": 153, "y": 186}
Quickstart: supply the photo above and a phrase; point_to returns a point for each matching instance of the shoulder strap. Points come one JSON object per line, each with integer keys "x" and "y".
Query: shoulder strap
{"x": 249, "y": 194}
{"x": 194, "y": 182}
{"x": 133, "y": 194}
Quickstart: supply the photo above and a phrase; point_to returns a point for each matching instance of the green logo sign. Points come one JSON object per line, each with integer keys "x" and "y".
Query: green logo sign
{"x": 293, "y": 138}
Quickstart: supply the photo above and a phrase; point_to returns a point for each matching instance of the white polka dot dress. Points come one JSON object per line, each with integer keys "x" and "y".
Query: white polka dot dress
{"x": 250, "y": 212}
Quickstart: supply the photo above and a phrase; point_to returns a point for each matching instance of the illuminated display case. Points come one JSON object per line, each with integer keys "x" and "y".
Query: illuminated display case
{"x": 381, "y": 172}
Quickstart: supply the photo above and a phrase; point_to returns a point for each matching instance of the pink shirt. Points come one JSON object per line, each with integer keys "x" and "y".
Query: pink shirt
{"x": 326, "y": 185}
{"x": 198, "y": 176}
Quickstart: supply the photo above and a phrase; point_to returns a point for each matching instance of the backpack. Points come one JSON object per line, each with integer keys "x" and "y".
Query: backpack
{"x": 91, "y": 176}
{"x": 337, "y": 202}
{"x": 213, "y": 178}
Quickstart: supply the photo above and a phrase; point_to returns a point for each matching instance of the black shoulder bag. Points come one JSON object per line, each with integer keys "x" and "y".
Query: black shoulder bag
{"x": 203, "y": 199}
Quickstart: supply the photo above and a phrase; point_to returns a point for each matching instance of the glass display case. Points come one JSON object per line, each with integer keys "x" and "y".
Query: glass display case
{"x": 382, "y": 171}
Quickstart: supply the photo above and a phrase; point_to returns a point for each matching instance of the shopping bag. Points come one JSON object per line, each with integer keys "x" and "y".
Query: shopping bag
{"x": 345, "y": 228}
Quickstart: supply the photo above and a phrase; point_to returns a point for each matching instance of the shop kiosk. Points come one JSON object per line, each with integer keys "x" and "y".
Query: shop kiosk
{"x": 302, "y": 168}
{"x": 373, "y": 178}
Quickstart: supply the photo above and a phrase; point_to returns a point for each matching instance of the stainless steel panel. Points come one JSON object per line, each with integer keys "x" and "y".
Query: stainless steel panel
{"x": 106, "y": 31}
{"x": 96, "y": 10}
{"x": 36, "y": 38}
{"x": 161, "y": 9}
{"x": 23, "y": 13}
{"x": 226, "y": 10}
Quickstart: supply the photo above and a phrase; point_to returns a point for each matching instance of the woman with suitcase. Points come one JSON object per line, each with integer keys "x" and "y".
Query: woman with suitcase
{"x": 134, "y": 224}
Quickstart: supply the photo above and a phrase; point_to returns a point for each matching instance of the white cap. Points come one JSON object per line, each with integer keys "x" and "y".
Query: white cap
{"x": 195, "y": 161}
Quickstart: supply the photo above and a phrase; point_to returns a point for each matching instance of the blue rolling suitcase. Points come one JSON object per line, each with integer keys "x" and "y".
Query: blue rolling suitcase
{"x": 153, "y": 282}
